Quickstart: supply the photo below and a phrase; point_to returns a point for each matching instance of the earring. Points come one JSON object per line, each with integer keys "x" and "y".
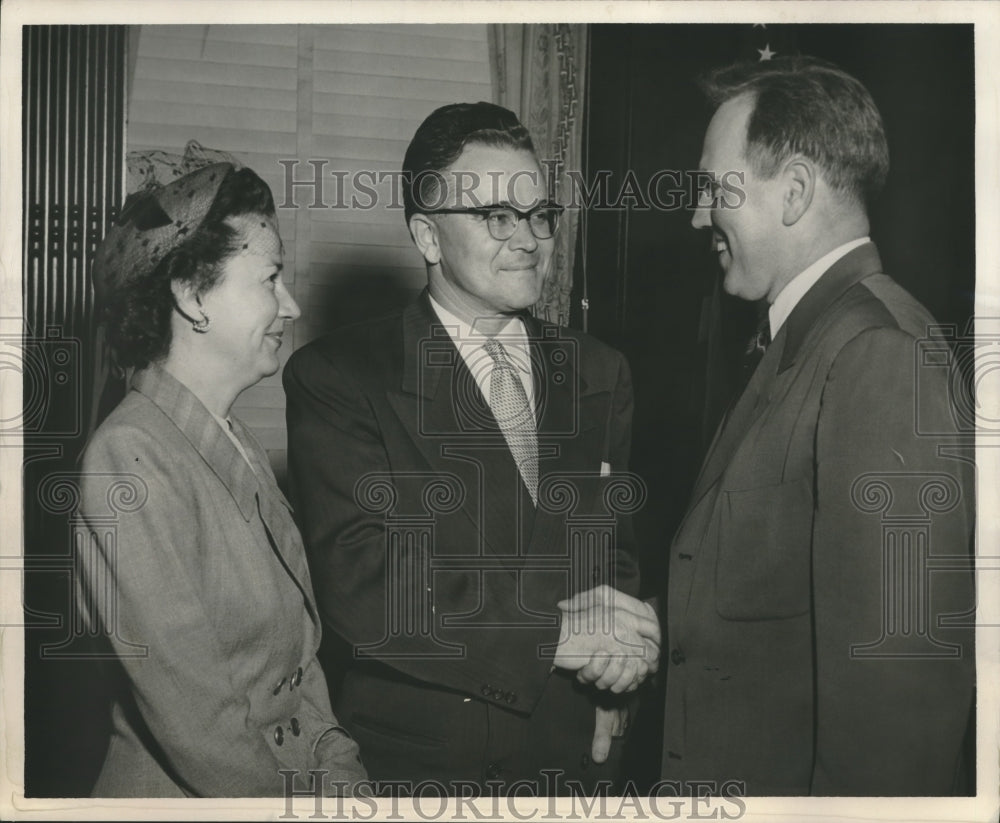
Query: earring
{"x": 201, "y": 326}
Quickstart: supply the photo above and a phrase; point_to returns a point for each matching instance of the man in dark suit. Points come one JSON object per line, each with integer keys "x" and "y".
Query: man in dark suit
{"x": 818, "y": 619}
{"x": 458, "y": 471}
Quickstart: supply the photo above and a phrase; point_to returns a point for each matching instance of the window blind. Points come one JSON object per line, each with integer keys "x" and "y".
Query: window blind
{"x": 349, "y": 97}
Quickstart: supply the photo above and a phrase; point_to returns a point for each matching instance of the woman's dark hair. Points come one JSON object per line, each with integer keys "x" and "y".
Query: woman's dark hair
{"x": 138, "y": 313}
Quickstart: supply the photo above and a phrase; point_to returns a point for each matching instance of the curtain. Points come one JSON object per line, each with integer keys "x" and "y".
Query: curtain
{"x": 539, "y": 72}
{"x": 72, "y": 136}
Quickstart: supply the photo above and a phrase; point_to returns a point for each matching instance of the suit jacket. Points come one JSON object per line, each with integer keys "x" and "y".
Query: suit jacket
{"x": 430, "y": 559}
{"x": 809, "y": 647}
{"x": 198, "y": 574}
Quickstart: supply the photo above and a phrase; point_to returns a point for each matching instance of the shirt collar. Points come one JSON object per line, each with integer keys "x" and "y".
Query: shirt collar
{"x": 796, "y": 288}
{"x": 466, "y": 337}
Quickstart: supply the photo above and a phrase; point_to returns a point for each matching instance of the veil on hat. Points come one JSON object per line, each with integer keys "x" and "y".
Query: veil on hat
{"x": 153, "y": 169}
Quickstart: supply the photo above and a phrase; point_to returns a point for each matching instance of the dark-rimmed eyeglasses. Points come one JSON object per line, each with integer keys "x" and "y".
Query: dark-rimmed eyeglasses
{"x": 501, "y": 221}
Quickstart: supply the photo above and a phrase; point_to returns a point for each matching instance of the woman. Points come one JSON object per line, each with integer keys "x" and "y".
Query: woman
{"x": 201, "y": 580}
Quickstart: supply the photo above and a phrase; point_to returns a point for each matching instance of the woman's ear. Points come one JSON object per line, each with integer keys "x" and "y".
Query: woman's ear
{"x": 425, "y": 235}
{"x": 186, "y": 297}
{"x": 187, "y": 302}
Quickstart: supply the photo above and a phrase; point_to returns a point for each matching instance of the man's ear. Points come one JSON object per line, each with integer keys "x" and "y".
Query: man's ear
{"x": 425, "y": 235}
{"x": 799, "y": 178}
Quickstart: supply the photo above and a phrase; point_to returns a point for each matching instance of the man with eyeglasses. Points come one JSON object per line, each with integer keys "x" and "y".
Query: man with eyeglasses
{"x": 455, "y": 468}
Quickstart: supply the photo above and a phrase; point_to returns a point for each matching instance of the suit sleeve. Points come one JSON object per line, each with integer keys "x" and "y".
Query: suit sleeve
{"x": 334, "y": 441}
{"x": 334, "y": 749}
{"x": 180, "y": 680}
{"x": 892, "y": 701}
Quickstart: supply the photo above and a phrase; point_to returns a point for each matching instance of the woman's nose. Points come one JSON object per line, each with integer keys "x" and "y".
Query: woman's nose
{"x": 287, "y": 307}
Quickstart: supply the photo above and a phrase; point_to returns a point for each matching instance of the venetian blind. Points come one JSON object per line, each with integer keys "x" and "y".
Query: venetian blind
{"x": 348, "y": 98}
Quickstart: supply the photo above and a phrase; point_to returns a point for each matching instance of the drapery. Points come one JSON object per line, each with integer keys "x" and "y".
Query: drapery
{"x": 72, "y": 139}
{"x": 539, "y": 72}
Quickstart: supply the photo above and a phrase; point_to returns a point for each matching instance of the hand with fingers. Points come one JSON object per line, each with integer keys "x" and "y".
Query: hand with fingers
{"x": 609, "y": 638}
{"x": 609, "y": 722}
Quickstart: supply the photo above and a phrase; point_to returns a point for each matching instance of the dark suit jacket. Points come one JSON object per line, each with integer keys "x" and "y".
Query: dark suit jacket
{"x": 804, "y": 649}
{"x": 428, "y": 555}
{"x": 199, "y": 577}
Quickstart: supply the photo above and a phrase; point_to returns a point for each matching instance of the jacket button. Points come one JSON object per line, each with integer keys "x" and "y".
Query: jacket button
{"x": 279, "y": 735}
{"x": 486, "y": 690}
{"x": 677, "y": 656}
{"x": 295, "y": 726}
{"x": 298, "y": 676}
{"x": 493, "y": 771}
{"x": 510, "y": 697}
{"x": 279, "y": 687}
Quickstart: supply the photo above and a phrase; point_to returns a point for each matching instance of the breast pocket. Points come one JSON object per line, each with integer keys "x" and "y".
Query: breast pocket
{"x": 765, "y": 548}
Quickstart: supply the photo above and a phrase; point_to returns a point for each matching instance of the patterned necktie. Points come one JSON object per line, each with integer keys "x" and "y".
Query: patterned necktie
{"x": 512, "y": 410}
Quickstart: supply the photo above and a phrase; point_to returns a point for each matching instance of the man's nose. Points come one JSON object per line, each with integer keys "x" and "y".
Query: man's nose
{"x": 702, "y": 217}
{"x": 523, "y": 238}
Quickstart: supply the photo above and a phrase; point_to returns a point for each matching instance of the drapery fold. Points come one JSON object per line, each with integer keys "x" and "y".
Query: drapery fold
{"x": 538, "y": 71}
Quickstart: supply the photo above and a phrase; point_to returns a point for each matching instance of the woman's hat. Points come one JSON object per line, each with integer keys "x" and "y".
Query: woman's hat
{"x": 153, "y": 223}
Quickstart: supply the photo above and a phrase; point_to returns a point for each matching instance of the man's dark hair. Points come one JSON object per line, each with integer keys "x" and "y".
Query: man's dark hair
{"x": 443, "y": 136}
{"x": 807, "y": 106}
{"x": 138, "y": 314}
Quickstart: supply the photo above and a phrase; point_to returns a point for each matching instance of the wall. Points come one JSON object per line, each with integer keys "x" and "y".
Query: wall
{"x": 348, "y": 95}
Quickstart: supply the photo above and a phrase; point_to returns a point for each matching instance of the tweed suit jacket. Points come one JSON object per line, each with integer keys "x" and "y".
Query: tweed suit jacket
{"x": 812, "y": 649}
{"x": 388, "y": 432}
{"x": 199, "y": 577}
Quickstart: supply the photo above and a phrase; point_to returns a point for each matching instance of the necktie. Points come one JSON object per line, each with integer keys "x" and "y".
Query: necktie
{"x": 512, "y": 410}
{"x": 756, "y": 346}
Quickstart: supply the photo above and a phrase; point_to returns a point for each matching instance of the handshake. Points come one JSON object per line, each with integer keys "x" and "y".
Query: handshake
{"x": 609, "y": 638}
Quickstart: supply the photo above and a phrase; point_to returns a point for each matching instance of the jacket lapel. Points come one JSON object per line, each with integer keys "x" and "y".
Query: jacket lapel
{"x": 738, "y": 420}
{"x": 249, "y": 487}
{"x": 796, "y": 335}
{"x": 566, "y": 417}
{"x": 203, "y": 431}
{"x": 276, "y": 516}
{"x": 853, "y": 267}
{"x": 448, "y": 419}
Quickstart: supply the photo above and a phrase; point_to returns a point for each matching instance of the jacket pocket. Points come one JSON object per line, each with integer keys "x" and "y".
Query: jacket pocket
{"x": 765, "y": 549}
{"x": 364, "y": 724}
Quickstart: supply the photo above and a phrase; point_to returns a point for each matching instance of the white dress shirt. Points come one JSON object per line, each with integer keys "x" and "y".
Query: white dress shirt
{"x": 797, "y": 287}
{"x": 469, "y": 343}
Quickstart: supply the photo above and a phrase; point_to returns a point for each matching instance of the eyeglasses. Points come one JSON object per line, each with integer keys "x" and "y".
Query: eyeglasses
{"x": 501, "y": 221}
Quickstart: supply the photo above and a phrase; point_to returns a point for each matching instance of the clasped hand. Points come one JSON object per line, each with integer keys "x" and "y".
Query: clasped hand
{"x": 609, "y": 638}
